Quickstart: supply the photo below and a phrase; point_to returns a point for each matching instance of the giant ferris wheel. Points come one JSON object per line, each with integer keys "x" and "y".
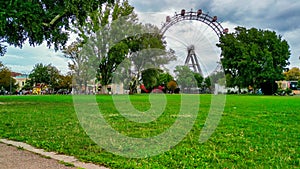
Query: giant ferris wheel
{"x": 193, "y": 35}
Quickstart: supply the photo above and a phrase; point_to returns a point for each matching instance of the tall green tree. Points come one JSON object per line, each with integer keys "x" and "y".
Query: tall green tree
{"x": 39, "y": 74}
{"x": 46, "y": 74}
{"x": 54, "y": 76}
{"x": 42, "y": 20}
{"x": 253, "y": 57}
{"x": 185, "y": 78}
{"x": 101, "y": 45}
{"x": 80, "y": 67}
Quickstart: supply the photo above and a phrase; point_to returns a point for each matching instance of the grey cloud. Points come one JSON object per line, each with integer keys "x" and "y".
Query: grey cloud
{"x": 280, "y": 15}
{"x": 163, "y": 5}
{"x": 277, "y": 15}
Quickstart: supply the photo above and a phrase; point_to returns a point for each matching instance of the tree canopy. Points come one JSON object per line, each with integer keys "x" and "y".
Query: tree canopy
{"x": 95, "y": 50}
{"x": 172, "y": 85}
{"x": 292, "y": 74}
{"x": 165, "y": 78}
{"x": 150, "y": 77}
{"x": 42, "y": 20}
{"x": 145, "y": 51}
{"x": 252, "y": 57}
{"x": 46, "y": 74}
{"x": 185, "y": 77}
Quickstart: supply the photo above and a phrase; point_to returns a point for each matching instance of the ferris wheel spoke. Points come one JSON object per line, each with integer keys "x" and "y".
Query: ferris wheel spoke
{"x": 199, "y": 34}
{"x": 174, "y": 38}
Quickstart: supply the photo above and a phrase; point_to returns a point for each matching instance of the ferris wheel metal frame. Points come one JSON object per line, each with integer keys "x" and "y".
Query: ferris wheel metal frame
{"x": 211, "y": 21}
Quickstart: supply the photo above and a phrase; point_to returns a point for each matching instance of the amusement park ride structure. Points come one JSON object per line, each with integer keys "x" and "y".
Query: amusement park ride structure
{"x": 191, "y": 59}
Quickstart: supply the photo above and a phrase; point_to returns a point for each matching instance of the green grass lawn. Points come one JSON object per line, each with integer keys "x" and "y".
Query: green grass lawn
{"x": 254, "y": 132}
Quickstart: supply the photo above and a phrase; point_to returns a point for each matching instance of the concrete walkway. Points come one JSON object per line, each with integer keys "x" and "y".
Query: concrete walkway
{"x": 14, "y": 156}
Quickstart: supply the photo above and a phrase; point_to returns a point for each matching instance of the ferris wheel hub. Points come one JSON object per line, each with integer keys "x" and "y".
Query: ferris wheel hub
{"x": 191, "y": 47}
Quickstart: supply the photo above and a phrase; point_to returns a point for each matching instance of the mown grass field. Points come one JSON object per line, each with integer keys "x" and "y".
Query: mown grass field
{"x": 254, "y": 132}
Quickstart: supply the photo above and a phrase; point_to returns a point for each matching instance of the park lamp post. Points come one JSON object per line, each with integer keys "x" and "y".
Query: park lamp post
{"x": 10, "y": 85}
{"x": 10, "y": 81}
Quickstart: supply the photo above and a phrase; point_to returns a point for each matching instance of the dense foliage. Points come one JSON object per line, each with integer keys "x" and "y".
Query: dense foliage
{"x": 150, "y": 77}
{"x": 37, "y": 21}
{"x": 253, "y": 57}
{"x": 292, "y": 74}
{"x": 50, "y": 76}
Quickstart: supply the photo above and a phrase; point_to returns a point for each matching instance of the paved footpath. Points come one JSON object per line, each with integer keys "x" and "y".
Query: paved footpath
{"x": 17, "y": 155}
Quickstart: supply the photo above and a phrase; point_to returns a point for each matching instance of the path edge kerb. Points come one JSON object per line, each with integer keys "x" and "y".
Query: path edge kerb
{"x": 52, "y": 155}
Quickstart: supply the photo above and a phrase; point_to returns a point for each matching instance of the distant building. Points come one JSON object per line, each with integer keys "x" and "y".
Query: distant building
{"x": 117, "y": 89}
{"x": 289, "y": 85}
{"x": 20, "y": 81}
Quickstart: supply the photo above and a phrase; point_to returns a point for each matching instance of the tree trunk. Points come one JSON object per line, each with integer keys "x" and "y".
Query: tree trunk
{"x": 104, "y": 89}
{"x": 85, "y": 88}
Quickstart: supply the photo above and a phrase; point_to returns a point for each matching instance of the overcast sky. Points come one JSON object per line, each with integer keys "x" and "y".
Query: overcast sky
{"x": 281, "y": 16}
